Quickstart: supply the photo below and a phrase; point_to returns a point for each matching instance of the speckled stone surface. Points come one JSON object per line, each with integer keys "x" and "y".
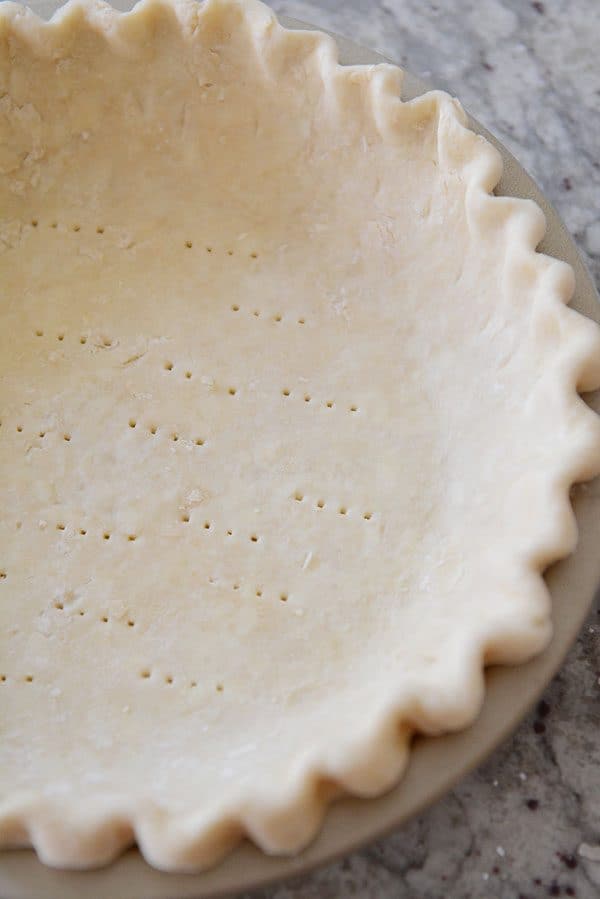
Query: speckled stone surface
{"x": 527, "y": 823}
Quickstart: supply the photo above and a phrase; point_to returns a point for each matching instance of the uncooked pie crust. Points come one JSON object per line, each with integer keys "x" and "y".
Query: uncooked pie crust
{"x": 288, "y": 425}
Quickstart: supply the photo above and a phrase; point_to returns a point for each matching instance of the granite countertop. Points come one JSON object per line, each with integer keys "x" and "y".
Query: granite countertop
{"x": 527, "y": 823}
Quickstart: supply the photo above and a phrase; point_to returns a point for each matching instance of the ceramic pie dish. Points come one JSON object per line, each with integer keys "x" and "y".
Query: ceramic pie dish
{"x": 230, "y": 656}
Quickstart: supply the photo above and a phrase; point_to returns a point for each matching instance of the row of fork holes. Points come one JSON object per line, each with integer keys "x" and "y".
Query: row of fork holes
{"x": 283, "y": 596}
{"x": 321, "y": 505}
{"x": 278, "y": 318}
{"x": 208, "y": 248}
{"x": 307, "y": 398}
{"x": 41, "y": 434}
{"x": 286, "y": 392}
{"x": 100, "y": 229}
{"x": 170, "y": 680}
{"x": 60, "y": 606}
{"x": 236, "y": 586}
{"x": 107, "y": 342}
{"x": 153, "y": 430}
{"x": 103, "y": 342}
{"x": 169, "y": 366}
{"x": 254, "y": 538}
{"x": 186, "y": 518}
{"x": 106, "y": 535}
{"x": 145, "y": 674}
{"x": 75, "y": 227}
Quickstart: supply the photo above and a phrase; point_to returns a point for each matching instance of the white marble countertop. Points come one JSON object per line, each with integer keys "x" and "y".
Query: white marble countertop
{"x": 527, "y": 823}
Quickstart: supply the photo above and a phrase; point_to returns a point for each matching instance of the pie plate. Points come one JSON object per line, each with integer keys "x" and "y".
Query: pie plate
{"x": 435, "y": 763}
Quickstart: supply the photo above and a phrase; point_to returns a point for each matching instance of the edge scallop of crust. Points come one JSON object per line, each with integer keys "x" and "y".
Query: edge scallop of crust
{"x": 96, "y": 832}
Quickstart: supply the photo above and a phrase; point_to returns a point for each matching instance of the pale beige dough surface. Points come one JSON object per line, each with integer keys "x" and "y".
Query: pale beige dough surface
{"x": 288, "y": 425}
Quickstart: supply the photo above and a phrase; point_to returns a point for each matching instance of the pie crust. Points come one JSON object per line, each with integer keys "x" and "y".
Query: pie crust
{"x": 289, "y": 419}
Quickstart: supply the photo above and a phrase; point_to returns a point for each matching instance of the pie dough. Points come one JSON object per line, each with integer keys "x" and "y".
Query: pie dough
{"x": 288, "y": 425}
